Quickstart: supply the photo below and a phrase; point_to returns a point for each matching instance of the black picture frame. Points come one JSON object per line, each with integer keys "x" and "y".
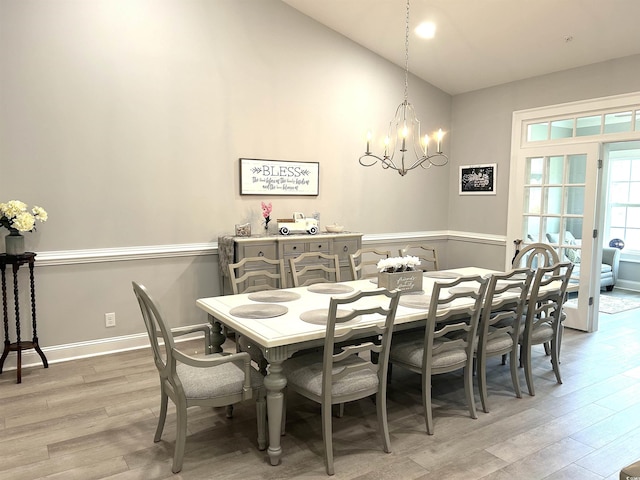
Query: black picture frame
{"x": 477, "y": 179}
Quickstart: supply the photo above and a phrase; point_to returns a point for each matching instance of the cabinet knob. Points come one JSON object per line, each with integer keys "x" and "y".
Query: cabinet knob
{"x": 295, "y": 248}
{"x": 345, "y": 249}
{"x": 319, "y": 247}
{"x": 261, "y": 254}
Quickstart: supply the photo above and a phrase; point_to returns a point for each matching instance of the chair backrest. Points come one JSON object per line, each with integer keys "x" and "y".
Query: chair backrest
{"x": 426, "y": 253}
{"x": 253, "y": 274}
{"x": 344, "y": 341}
{"x": 314, "y": 267}
{"x": 364, "y": 262}
{"x": 504, "y": 304}
{"x": 536, "y": 255}
{"x": 548, "y": 294}
{"x": 441, "y": 321}
{"x": 156, "y": 328}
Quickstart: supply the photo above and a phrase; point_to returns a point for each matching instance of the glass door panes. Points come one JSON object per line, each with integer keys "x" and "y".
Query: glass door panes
{"x": 554, "y": 194}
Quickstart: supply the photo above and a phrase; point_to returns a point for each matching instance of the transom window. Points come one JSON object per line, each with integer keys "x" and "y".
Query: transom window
{"x": 604, "y": 123}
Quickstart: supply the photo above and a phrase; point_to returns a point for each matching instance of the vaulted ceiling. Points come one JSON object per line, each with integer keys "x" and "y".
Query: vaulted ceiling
{"x": 481, "y": 43}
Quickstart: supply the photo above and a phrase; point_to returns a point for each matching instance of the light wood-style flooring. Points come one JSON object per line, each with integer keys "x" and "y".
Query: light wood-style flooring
{"x": 95, "y": 419}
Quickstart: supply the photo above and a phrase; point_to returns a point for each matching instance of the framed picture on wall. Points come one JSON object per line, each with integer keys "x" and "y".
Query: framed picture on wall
{"x": 477, "y": 179}
{"x": 278, "y": 177}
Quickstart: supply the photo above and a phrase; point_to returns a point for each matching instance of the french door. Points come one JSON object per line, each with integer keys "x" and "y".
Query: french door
{"x": 553, "y": 199}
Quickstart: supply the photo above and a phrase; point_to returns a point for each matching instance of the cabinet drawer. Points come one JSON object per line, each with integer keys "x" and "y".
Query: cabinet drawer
{"x": 321, "y": 246}
{"x": 257, "y": 250}
{"x": 293, "y": 248}
{"x": 344, "y": 248}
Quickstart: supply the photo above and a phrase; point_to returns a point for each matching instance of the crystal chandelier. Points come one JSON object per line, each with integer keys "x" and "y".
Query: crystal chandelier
{"x": 404, "y": 134}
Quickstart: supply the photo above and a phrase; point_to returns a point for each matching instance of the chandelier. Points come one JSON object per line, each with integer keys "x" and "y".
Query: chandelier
{"x": 404, "y": 148}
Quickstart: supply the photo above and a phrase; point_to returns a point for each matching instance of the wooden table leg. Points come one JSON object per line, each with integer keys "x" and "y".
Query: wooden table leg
{"x": 275, "y": 382}
{"x": 217, "y": 337}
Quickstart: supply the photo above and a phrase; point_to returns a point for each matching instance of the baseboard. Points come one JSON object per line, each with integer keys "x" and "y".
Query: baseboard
{"x": 628, "y": 285}
{"x": 92, "y": 348}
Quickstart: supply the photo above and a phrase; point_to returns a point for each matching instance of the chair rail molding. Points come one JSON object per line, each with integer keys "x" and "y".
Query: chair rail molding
{"x": 148, "y": 252}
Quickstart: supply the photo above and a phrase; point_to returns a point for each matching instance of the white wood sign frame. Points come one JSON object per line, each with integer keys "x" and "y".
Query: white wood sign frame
{"x": 278, "y": 177}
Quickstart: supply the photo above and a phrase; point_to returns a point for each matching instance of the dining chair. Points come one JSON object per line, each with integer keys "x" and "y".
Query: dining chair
{"x": 500, "y": 325}
{"x": 447, "y": 342}
{"x": 343, "y": 371}
{"x": 543, "y": 319}
{"x": 255, "y": 274}
{"x": 426, "y": 253}
{"x": 364, "y": 262}
{"x": 314, "y": 267}
{"x": 210, "y": 380}
{"x": 536, "y": 255}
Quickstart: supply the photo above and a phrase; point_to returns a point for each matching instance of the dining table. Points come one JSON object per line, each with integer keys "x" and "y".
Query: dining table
{"x": 283, "y": 322}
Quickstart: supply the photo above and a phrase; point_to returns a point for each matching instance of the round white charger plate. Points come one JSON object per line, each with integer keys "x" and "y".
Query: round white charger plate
{"x": 419, "y": 301}
{"x": 259, "y": 310}
{"x": 329, "y": 288}
{"x": 448, "y": 275}
{"x": 273, "y": 296}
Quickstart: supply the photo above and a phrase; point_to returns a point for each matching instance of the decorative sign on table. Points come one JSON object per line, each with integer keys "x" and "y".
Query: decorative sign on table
{"x": 278, "y": 177}
{"x": 478, "y": 179}
{"x": 410, "y": 281}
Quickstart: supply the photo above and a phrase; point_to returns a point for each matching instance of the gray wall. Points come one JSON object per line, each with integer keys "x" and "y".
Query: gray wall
{"x": 481, "y": 133}
{"x": 125, "y": 119}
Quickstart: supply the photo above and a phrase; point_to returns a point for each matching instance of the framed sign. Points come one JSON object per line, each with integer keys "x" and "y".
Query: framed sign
{"x": 478, "y": 179}
{"x": 278, "y": 177}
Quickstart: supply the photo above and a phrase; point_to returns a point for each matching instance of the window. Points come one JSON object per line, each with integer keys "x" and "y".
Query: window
{"x": 623, "y": 203}
{"x": 584, "y": 126}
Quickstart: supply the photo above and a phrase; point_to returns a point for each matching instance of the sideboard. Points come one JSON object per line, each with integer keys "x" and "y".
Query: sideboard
{"x": 232, "y": 249}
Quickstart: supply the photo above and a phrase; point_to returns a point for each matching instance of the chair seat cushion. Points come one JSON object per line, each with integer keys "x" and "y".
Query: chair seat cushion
{"x": 499, "y": 343}
{"x": 212, "y": 382}
{"x": 409, "y": 350}
{"x": 305, "y": 372}
{"x": 542, "y": 334}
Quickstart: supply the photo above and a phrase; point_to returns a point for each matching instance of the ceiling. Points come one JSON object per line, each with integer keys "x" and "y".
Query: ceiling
{"x": 481, "y": 43}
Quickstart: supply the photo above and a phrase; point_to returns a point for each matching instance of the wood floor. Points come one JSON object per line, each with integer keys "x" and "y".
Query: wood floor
{"x": 95, "y": 419}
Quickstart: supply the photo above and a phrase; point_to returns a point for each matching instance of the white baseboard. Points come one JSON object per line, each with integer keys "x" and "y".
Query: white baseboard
{"x": 73, "y": 351}
{"x": 628, "y": 285}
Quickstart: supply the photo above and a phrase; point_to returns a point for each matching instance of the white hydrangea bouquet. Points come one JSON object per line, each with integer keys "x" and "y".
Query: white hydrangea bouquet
{"x": 398, "y": 264}
{"x": 14, "y": 216}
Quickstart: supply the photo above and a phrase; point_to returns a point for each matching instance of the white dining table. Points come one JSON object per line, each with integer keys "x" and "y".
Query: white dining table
{"x": 280, "y": 331}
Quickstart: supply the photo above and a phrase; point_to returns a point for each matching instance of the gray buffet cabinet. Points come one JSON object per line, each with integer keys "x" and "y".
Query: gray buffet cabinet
{"x": 232, "y": 249}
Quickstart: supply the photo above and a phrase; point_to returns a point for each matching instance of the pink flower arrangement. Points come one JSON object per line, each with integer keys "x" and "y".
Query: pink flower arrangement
{"x": 266, "y": 212}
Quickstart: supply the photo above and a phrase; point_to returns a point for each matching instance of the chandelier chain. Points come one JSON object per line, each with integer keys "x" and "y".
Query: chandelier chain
{"x": 406, "y": 55}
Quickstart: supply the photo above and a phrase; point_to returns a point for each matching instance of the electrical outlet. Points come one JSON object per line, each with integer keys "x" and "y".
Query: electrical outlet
{"x": 110, "y": 319}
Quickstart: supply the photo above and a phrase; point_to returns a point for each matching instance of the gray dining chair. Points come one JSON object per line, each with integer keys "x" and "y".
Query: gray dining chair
{"x": 426, "y": 253}
{"x": 447, "y": 342}
{"x": 343, "y": 371}
{"x": 211, "y": 380}
{"x": 500, "y": 325}
{"x": 314, "y": 267}
{"x": 544, "y": 316}
{"x": 256, "y": 274}
{"x": 536, "y": 255}
{"x": 364, "y": 262}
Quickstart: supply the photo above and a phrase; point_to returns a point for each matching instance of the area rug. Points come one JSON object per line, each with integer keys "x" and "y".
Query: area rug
{"x": 615, "y": 304}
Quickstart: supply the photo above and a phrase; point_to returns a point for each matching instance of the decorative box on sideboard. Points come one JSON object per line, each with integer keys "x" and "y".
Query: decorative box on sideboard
{"x": 232, "y": 249}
